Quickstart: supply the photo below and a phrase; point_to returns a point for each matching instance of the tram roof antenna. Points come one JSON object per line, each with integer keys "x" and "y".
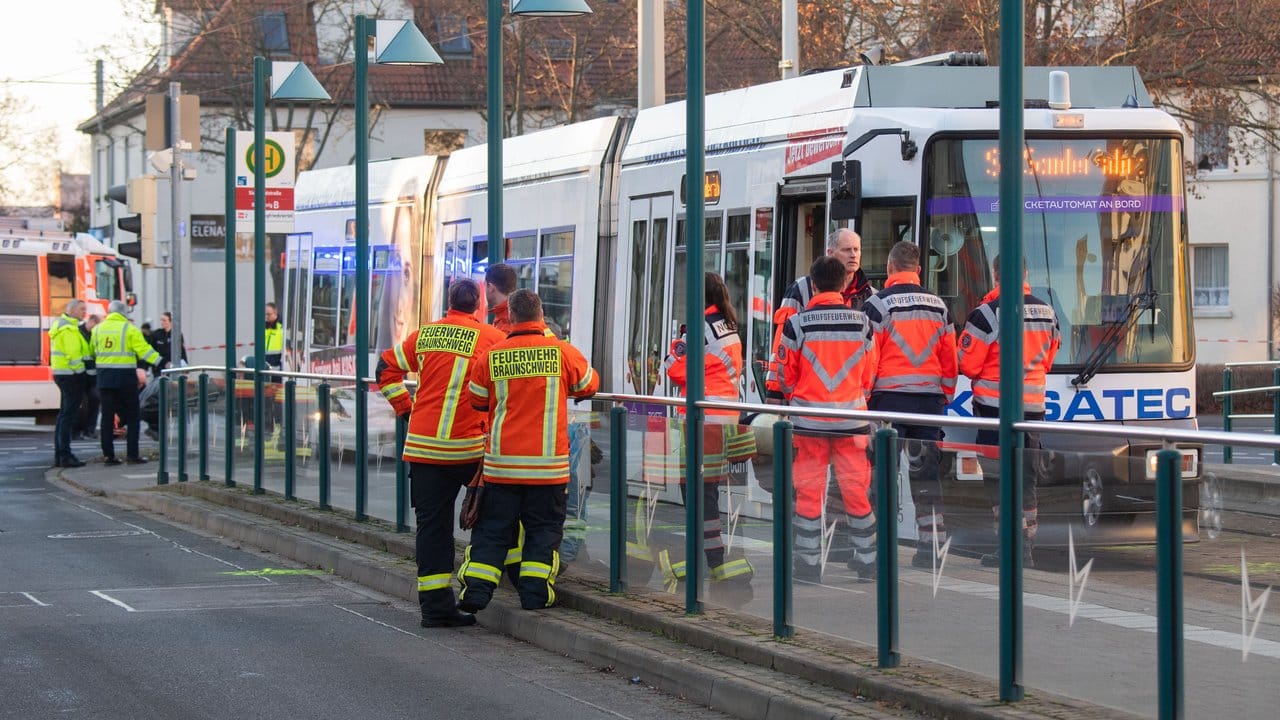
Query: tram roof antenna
{"x": 950, "y": 59}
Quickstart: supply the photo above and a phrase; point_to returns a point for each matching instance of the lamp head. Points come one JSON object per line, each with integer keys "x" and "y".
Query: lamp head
{"x": 550, "y": 8}
{"x": 293, "y": 81}
{"x": 400, "y": 42}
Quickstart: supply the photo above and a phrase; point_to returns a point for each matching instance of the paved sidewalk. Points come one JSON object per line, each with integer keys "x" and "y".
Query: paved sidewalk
{"x": 721, "y": 659}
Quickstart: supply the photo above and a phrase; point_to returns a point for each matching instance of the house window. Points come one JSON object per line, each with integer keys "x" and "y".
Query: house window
{"x": 557, "y": 48}
{"x": 453, "y": 34}
{"x": 274, "y": 31}
{"x": 1209, "y": 276}
{"x": 1213, "y": 145}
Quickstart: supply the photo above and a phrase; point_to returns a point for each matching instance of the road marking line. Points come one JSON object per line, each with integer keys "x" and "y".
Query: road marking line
{"x": 135, "y": 476}
{"x": 1112, "y": 616}
{"x": 33, "y": 599}
{"x": 112, "y": 600}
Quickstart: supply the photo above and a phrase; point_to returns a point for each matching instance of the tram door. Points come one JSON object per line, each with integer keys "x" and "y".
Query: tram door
{"x": 297, "y": 300}
{"x": 726, "y": 242}
{"x": 649, "y": 322}
{"x": 802, "y": 229}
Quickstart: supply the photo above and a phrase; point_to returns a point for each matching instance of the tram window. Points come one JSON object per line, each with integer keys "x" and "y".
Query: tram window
{"x": 557, "y": 243}
{"x": 761, "y": 302}
{"x": 555, "y": 287}
{"x": 324, "y": 316}
{"x": 522, "y": 247}
{"x": 883, "y": 224}
{"x": 635, "y": 346}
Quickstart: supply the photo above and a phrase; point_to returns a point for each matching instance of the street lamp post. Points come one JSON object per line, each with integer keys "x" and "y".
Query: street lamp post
{"x": 529, "y": 8}
{"x": 399, "y": 42}
{"x": 695, "y": 242}
{"x": 289, "y": 81}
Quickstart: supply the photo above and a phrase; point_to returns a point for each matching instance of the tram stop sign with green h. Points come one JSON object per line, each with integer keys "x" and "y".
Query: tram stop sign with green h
{"x": 279, "y": 170}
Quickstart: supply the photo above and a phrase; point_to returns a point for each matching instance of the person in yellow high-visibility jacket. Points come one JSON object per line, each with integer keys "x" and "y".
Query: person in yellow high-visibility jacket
{"x": 118, "y": 346}
{"x": 67, "y": 353}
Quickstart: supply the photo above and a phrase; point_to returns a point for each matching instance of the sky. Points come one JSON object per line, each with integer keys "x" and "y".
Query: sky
{"x": 47, "y": 57}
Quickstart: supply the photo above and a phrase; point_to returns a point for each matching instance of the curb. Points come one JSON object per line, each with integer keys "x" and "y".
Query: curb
{"x": 668, "y": 654}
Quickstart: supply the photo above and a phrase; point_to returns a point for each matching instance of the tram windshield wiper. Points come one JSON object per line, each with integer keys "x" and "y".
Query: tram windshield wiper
{"x": 1098, "y": 358}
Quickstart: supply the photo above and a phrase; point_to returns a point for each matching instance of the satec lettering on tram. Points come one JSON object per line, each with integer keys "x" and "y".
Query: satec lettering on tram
{"x": 1113, "y": 404}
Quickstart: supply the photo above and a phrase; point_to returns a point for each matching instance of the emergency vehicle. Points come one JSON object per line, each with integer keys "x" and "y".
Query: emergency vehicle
{"x": 594, "y": 217}
{"x": 40, "y": 271}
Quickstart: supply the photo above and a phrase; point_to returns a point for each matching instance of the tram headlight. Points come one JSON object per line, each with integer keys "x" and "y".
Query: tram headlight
{"x": 1190, "y": 462}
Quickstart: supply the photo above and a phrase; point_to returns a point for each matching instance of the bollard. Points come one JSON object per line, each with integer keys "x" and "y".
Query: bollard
{"x": 618, "y": 499}
{"x": 322, "y": 442}
{"x": 181, "y": 410}
{"x": 783, "y": 503}
{"x": 228, "y": 444}
{"x": 162, "y": 473}
{"x": 1226, "y": 412}
{"x": 402, "y": 481}
{"x": 290, "y": 437}
{"x": 886, "y": 485}
{"x": 1169, "y": 628}
{"x": 202, "y": 389}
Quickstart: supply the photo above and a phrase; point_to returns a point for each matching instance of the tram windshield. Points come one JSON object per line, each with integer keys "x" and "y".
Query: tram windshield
{"x": 1103, "y": 238}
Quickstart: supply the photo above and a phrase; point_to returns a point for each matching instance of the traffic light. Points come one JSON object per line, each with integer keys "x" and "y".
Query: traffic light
{"x": 140, "y": 197}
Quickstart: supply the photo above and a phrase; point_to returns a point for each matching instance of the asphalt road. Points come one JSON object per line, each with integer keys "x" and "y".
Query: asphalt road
{"x": 109, "y": 613}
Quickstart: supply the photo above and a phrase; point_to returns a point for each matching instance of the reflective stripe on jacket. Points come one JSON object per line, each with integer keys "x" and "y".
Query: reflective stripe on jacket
{"x": 68, "y": 349}
{"x": 723, "y": 373}
{"x": 979, "y": 353}
{"x": 827, "y": 358}
{"x": 524, "y": 384}
{"x": 914, "y": 339}
{"x": 796, "y": 298}
{"x": 119, "y": 345}
{"x": 443, "y": 427}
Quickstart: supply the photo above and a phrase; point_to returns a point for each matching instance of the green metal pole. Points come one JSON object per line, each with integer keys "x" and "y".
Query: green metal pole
{"x": 259, "y": 264}
{"x": 1226, "y": 412}
{"x": 202, "y": 388}
{"x": 783, "y": 508}
{"x": 497, "y": 124}
{"x": 162, "y": 473}
{"x": 229, "y": 315}
{"x": 1169, "y": 628}
{"x": 322, "y": 443}
{"x": 181, "y": 412}
{"x": 229, "y": 269}
{"x": 363, "y": 29}
{"x": 290, "y": 438}
{"x": 886, "y": 484}
{"x": 1011, "y": 146}
{"x": 1275, "y": 412}
{"x": 402, "y": 479}
{"x": 618, "y": 499}
{"x": 695, "y": 229}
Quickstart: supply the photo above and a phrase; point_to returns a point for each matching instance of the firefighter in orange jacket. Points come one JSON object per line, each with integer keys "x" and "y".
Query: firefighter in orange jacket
{"x": 523, "y": 384}
{"x": 826, "y": 359}
{"x": 979, "y": 358}
{"x": 723, "y": 375}
{"x": 445, "y": 441}
{"x": 916, "y": 373}
{"x": 499, "y": 282}
{"x": 846, "y": 246}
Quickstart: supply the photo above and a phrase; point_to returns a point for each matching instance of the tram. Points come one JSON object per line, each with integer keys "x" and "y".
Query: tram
{"x": 595, "y": 222}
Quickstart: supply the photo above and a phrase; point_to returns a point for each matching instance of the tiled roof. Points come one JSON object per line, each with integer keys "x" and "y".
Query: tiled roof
{"x": 217, "y": 63}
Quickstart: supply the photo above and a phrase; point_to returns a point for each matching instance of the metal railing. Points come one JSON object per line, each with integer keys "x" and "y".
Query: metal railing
{"x": 1228, "y": 392}
{"x": 1168, "y": 490}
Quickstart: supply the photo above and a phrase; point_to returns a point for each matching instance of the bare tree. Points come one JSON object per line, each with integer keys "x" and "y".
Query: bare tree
{"x": 25, "y": 164}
